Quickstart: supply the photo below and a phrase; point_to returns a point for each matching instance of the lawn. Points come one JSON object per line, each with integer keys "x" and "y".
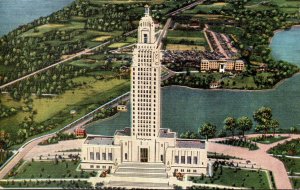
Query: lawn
{"x": 40, "y": 30}
{"x": 295, "y": 183}
{"x": 117, "y": 45}
{"x": 206, "y": 9}
{"x": 240, "y": 82}
{"x": 50, "y": 169}
{"x": 237, "y": 178}
{"x": 101, "y": 38}
{"x": 184, "y": 47}
{"x": 268, "y": 139}
{"x": 195, "y": 38}
{"x": 291, "y": 164}
{"x": 59, "y": 107}
{"x": 89, "y": 63}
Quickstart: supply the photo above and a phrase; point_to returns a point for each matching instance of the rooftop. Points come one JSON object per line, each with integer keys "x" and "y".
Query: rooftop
{"x": 182, "y": 143}
{"x": 99, "y": 140}
{"x": 166, "y": 133}
{"x": 124, "y": 132}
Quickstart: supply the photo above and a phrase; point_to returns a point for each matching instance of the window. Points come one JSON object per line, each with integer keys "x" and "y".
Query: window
{"x": 109, "y": 156}
{"x": 177, "y": 159}
{"x": 189, "y": 160}
{"x": 188, "y": 170}
{"x": 97, "y": 156}
{"x": 183, "y": 159}
{"x": 194, "y": 171}
{"x": 91, "y": 166}
{"x": 98, "y": 166}
{"x": 103, "y": 156}
{"x": 162, "y": 158}
{"x": 182, "y": 170}
{"x": 125, "y": 156}
{"x": 91, "y": 155}
{"x": 195, "y": 161}
{"x": 145, "y": 38}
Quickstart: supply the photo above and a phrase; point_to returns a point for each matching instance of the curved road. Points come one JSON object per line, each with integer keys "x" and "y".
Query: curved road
{"x": 260, "y": 157}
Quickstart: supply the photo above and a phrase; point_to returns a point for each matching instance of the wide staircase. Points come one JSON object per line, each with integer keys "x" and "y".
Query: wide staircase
{"x": 140, "y": 176}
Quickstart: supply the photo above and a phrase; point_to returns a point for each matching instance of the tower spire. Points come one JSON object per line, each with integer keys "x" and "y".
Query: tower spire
{"x": 147, "y": 10}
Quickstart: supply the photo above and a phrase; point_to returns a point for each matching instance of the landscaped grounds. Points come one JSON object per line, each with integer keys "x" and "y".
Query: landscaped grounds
{"x": 290, "y": 148}
{"x": 50, "y": 169}
{"x": 236, "y": 177}
{"x": 268, "y": 139}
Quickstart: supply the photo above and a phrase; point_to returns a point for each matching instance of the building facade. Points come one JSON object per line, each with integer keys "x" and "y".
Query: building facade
{"x": 145, "y": 140}
{"x": 222, "y": 65}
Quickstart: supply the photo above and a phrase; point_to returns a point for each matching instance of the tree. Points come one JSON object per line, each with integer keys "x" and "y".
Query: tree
{"x": 208, "y": 130}
{"x": 263, "y": 117}
{"x": 230, "y": 125}
{"x": 244, "y": 124}
{"x": 274, "y": 124}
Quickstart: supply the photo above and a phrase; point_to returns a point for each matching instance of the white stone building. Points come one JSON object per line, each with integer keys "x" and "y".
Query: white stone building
{"x": 145, "y": 141}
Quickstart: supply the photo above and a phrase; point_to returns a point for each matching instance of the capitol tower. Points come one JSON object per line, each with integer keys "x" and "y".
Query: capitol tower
{"x": 145, "y": 82}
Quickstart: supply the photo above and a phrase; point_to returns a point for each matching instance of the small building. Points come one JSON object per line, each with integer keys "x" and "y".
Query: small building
{"x": 122, "y": 108}
{"x": 222, "y": 65}
{"x": 80, "y": 132}
{"x": 215, "y": 85}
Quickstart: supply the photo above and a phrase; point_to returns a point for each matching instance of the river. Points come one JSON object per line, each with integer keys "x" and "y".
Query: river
{"x": 14, "y": 13}
{"x": 186, "y": 109}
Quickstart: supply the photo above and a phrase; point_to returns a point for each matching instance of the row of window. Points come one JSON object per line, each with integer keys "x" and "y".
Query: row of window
{"x": 104, "y": 156}
{"x": 188, "y": 170}
{"x": 98, "y": 167}
{"x": 186, "y": 160}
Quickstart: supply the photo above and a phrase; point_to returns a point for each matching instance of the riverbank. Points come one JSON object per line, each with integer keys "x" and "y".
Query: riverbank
{"x": 241, "y": 90}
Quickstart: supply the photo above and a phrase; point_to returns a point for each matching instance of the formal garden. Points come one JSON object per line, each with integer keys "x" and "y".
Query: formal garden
{"x": 269, "y": 139}
{"x": 49, "y": 169}
{"x": 288, "y": 148}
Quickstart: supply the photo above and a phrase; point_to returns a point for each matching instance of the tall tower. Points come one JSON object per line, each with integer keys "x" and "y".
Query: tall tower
{"x": 145, "y": 82}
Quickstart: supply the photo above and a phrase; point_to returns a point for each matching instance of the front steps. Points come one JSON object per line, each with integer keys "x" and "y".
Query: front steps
{"x": 140, "y": 175}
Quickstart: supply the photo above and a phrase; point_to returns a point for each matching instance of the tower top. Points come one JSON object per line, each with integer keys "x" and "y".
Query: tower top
{"x": 147, "y": 10}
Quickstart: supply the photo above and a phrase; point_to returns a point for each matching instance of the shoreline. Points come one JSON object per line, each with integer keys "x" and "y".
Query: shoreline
{"x": 282, "y": 30}
{"x": 239, "y": 90}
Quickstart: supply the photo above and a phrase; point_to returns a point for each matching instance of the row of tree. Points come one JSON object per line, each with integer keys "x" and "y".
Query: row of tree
{"x": 263, "y": 118}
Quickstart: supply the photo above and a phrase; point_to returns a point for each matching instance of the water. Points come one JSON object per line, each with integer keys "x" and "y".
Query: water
{"x": 187, "y": 109}
{"x": 14, "y": 13}
{"x": 286, "y": 45}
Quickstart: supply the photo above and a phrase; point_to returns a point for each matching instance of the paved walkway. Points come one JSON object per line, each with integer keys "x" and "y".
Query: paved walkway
{"x": 260, "y": 157}
{"x": 54, "y": 148}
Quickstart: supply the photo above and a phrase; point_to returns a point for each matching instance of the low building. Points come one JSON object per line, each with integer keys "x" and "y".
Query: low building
{"x": 222, "y": 65}
{"x": 178, "y": 155}
{"x": 80, "y": 133}
{"x": 122, "y": 108}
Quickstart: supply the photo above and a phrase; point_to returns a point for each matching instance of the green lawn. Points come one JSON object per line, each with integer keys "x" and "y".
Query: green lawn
{"x": 268, "y": 139}
{"x": 291, "y": 164}
{"x": 295, "y": 183}
{"x": 207, "y": 8}
{"x": 50, "y": 169}
{"x": 240, "y": 82}
{"x": 237, "y": 178}
{"x": 117, "y": 45}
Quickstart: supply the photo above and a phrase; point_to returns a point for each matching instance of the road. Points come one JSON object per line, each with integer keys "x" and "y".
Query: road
{"x": 260, "y": 157}
{"x": 185, "y": 8}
